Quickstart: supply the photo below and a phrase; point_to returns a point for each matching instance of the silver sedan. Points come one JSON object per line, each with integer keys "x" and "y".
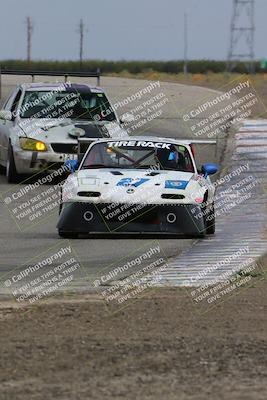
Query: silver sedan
{"x": 40, "y": 125}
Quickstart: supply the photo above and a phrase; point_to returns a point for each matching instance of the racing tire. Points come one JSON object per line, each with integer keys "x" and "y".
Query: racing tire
{"x": 60, "y": 204}
{"x": 11, "y": 170}
{"x": 2, "y": 170}
{"x": 68, "y": 235}
{"x": 210, "y": 221}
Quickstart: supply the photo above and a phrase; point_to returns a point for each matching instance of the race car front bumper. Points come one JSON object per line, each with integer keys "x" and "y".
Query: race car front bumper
{"x": 29, "y": 162}
{"x": 86, "y": 218}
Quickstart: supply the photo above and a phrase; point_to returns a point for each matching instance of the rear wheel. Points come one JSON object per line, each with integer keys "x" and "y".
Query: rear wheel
{"x": 11, "y": 171}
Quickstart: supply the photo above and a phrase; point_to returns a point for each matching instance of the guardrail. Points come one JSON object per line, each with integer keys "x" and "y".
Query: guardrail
{"x": 33, "y": 73}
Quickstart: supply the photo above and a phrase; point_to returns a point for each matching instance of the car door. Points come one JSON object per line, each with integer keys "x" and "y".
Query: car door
{"x": 3, "y": 123}
{"x": 6, "y": 127}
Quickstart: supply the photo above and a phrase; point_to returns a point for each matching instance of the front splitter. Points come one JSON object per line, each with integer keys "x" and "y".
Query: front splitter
{"x": 85, "y": 218}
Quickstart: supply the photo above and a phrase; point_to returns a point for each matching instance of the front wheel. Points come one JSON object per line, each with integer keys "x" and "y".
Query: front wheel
{"x": 210, "y": 221}
{"x": 11, "y": 171}
{"x": 61, "y": 202}
{"x": 67, "y": 235}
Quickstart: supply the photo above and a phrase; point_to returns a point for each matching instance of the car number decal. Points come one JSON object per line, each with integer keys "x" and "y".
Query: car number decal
{"x": 132, "y": 182}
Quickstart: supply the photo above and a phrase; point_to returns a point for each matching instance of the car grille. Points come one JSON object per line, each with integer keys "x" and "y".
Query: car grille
{"x": 69, "y": 148}
{"x": 89, "y": 194}
{"x": 172, "y": 196}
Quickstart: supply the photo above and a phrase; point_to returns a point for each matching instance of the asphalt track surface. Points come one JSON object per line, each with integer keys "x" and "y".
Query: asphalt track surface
{"x": 17, "y": 247}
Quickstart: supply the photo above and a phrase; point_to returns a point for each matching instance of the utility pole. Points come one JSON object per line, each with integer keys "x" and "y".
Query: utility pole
{"x": 81, "y": 32}
{"x": 29, "y": 40}
{"x": 185, "y": 43}
{"x": 242, "y": 35}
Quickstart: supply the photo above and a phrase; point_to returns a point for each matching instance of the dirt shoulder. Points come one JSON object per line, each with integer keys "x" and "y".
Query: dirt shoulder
{"x": 209, "y": 80}
{"x": 159, "y": 347}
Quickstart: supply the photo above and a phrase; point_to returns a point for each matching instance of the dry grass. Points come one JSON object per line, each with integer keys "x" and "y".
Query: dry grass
{"x": 217, "y": 81}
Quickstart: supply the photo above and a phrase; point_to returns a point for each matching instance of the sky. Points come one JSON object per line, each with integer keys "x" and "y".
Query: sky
{"x": 123, "y": 29}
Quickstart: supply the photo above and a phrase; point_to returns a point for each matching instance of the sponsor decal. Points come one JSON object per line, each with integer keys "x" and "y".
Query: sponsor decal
{"x": 132, "y": 182}
{"x": 140, "y": 143}
{"x": 176, "y": 184}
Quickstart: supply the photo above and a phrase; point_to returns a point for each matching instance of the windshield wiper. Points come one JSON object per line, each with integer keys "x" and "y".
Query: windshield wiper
{"x": 143, "y": 167}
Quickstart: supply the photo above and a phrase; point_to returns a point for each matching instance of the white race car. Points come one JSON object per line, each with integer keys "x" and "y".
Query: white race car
{"x": 40, "y": 123}
{"x": 138, "y": 185}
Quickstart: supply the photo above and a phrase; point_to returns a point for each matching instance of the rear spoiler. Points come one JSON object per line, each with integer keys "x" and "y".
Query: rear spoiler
{"x": 201, "y": 141}
{"x": 197, "y": 142}
{"x": 34, "y": 73}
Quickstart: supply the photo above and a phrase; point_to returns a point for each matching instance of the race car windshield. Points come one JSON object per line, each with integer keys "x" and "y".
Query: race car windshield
{"x": 139, "y": 154}
{"x": 73, "y": 104}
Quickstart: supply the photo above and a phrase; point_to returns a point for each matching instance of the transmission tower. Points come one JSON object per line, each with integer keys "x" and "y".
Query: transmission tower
{"x": 242, "y": 35}
{"x": 29, "y": 39}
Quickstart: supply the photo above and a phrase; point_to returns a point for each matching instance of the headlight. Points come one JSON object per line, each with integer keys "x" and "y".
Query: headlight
{"x": 32, "y": 144}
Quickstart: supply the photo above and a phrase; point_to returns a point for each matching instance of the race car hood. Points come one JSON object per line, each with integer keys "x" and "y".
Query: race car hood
{"x": 65, "y": 131}
{"x": 127, "y": 186}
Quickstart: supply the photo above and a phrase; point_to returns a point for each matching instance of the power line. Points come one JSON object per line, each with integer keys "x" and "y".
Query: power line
{"x": 185, "y": 44}
{"x": 81, "y": 33}
{"x": 242, "y": 35}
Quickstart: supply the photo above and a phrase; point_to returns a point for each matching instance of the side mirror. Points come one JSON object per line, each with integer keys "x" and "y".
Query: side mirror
{"x": 6, "y": 115}
{"x": 127, "y": 118}
{"x": 209, "y": 169}
{"x": 72, "y": 165}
